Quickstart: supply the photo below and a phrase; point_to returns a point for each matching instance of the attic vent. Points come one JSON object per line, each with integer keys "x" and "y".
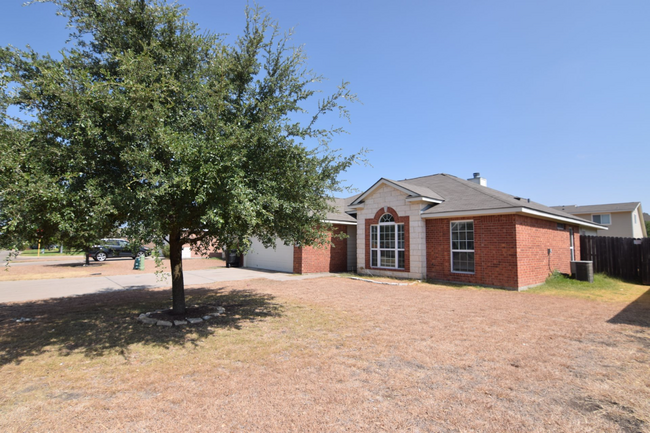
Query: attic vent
{"x": 524, "y": 199}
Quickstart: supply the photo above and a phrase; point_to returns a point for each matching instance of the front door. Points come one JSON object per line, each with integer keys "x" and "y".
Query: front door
{"x": 571, "y": 245}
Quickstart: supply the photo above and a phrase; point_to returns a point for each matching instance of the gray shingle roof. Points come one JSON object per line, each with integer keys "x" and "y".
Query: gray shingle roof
{"x": 418, "y": 190}
{"x": 596, "y": 208}
{"x": 411, "y": 189}
{"x": 462, "y": 196}
{"x": 341, "y": 205}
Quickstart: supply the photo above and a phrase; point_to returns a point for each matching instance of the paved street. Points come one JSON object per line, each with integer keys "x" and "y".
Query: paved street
{"x": 31, "y": 290}
{"x": 27, "y": 261}
{"x": 3, "y": 256}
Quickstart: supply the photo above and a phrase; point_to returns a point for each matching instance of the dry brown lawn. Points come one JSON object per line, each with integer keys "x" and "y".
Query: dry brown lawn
{"x": 76, "y": 268}
{"x": 326, "y": 355}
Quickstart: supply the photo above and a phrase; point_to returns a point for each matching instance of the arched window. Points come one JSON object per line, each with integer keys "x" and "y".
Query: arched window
{"x": 387, "y": 243}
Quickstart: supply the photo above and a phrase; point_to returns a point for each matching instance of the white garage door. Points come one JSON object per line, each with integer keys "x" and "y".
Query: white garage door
{"x": 278, "y": 259}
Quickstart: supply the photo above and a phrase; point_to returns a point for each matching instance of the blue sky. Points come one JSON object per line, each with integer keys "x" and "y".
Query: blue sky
{"x": 546, "y": 99}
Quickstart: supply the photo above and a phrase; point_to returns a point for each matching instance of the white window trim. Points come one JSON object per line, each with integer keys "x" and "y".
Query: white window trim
{"x": 601, "y": 214}
{"x": 396, "y": 249}
{"x": 452, "y": 251}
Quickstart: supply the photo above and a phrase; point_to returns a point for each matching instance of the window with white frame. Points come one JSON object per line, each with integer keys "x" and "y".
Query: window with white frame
{"x": 604, "y": 219}
{"x": 462, "y": 246}
{"x": 387, "y": 243}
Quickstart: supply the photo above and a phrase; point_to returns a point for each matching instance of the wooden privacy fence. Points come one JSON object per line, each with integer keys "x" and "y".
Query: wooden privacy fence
{"x": 625, "y": 258}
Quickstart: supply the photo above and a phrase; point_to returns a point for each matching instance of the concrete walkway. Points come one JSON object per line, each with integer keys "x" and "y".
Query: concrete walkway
{"x": 33, "y": 290}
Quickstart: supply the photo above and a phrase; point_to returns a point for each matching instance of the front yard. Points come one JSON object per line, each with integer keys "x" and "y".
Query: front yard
{"x": 329, "y": 354}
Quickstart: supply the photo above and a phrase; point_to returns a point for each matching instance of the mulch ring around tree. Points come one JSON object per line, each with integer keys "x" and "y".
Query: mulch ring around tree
{"x": 193, "y": 315}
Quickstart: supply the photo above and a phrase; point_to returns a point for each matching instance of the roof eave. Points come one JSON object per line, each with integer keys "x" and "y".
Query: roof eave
{"x": 514, "y": 210}
{"x": 359, "y": 200}
{"x": 424, "y": 199}
{"x": 347, "y": 223}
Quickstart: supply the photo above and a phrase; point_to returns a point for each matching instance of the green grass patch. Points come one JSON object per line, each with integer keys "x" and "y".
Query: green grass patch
{"x": 54, "y": 252}
{"x": 604, "y": 288}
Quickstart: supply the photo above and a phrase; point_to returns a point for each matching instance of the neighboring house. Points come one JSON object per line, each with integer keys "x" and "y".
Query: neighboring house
{"x": 191, "y": 253}
{"x": 445, "y": 228}
{"x": 624, "y": 220}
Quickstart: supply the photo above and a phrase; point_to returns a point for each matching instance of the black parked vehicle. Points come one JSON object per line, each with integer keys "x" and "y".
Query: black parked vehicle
{"x": 117, "y": 248}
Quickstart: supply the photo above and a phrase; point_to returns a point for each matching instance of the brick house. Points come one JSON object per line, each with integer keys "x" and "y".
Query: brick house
{"x": 338, "y": 257}
{"x": 444, "y": 228}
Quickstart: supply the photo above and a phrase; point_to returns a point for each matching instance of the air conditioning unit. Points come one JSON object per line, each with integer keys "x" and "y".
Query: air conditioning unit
{"x": 583, "y": 270}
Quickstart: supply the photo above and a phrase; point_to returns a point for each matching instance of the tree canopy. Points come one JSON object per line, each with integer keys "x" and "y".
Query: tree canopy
{"x": 148, "y": 124}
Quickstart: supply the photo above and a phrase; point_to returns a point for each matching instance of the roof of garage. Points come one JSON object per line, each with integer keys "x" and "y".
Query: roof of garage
{"x": 340, "y": 207}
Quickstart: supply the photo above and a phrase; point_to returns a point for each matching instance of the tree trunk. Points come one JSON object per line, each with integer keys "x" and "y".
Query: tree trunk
{"x": 176, "y": 263}
{"x": 87, "y": 259}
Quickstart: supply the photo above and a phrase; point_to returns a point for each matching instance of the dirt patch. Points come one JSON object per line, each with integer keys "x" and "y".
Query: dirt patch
{"x": 322, "y": 355}
{"x": 585, "y": 405}
{"x": 76, "y": 268}
{"x": 626, "y": 423}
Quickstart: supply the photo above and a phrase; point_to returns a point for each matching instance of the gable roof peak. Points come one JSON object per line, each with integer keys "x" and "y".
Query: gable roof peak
{"x": 411, "y": 190}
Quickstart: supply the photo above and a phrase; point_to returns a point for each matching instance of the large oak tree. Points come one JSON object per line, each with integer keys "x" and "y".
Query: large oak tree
{"x": 146, "y": 123}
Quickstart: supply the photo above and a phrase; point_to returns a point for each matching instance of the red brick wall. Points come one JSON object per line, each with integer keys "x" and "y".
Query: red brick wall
{"x": 328, "y": 258}
{"x": 509, "y": 250}
{"x": 407, "y": 245}
{"x": 534, "y": 238}
{"x": 495, "y": 259}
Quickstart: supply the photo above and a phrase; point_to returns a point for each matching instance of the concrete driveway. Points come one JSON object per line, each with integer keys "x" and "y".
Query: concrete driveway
{"x": 33, "y": 290}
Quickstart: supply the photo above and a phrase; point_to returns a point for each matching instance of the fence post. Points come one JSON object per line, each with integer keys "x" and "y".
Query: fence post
{"x": 645, "y": 261}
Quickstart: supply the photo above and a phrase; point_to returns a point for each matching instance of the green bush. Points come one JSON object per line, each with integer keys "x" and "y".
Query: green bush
{"x": 165, "y": 250}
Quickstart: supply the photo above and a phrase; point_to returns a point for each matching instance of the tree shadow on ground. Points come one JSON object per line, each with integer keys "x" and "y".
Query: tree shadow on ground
{"x": 103, "y": 323}
{"x": 637, "y": 313}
